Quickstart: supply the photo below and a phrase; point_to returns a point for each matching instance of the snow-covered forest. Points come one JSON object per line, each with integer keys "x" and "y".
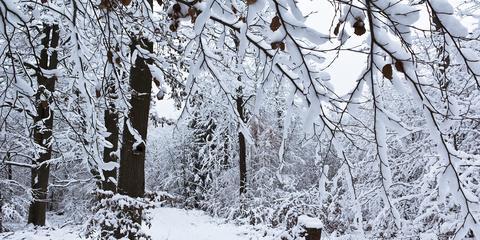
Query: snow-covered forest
{"x": 240, "y": 119}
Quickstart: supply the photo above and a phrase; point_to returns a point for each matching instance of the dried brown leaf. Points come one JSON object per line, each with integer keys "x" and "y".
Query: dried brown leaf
{"x": 359, "y": 27}
{"x": 337, "y": 28}
{"x": 110, "y": 56}
{"x": 126, "y": 2}
{"x": 275, "y": 24}
{"x": 387, "y": 71}
{"x": 276, "y": 45}
{"x": 399, "y": 66}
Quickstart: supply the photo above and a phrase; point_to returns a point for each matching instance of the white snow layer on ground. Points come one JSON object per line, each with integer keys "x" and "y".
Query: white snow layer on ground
{"x": 167, "y": 224}
{"x": 178, "y": 224}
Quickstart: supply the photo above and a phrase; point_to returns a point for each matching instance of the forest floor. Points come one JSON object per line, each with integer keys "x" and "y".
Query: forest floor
{"x": 167, "y": 224}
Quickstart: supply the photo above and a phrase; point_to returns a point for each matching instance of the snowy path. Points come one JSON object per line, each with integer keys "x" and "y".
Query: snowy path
{"x": 178, "y": 224}
{"x": 167, "y": 224}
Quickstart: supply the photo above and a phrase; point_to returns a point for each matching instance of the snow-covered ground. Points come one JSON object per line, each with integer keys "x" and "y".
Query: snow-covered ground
{"x": 167, "y": 224}
{"x": 178, "y": 224}
{"x": 45, "y": 233}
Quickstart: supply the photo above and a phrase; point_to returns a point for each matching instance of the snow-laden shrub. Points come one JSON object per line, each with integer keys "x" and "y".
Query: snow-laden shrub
{"x": 14, "y": 201}
{"x": 118, "y": 216}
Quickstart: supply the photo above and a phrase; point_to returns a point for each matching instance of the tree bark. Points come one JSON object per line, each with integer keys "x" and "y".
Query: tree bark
{"x": 109, "y": 154}
{"x": 9, "y": 168}
{"x": 226, "y": 152}
{"x": 313, "y": 233}
{"x": 131, "y": 178}
{"x": 1, "y": 212}
{"x": 242, "y": 149}
{"x": 43, "y": 125}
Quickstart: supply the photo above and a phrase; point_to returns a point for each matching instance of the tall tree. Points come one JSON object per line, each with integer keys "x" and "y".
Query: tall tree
{"x": 131, "y": 178}
{"x": 43, "y": 127}
{"x": 1, "y": 212}
{"x": 242, "y": 151}
{"x": 111, "y": 123}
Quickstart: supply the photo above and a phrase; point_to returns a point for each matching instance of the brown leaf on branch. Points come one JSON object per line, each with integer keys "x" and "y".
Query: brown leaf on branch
{"x": 359, "y": 27}
{"x": 387, "y": 71}
{"x": 110, "y": 57}
{"x": 276, "y": 45}
{"x": 275, "y": 24}
{"x": 192, "y": 12}
{"x": 174, "y": 26}
{"x": 337, "y": 28}
{"x": 118, "y": 61}
{"x": 177, "y": 8}
{"x": 126, "y": 2}
{"x": 105, "y": 4}
{"x": 399, "y": 66}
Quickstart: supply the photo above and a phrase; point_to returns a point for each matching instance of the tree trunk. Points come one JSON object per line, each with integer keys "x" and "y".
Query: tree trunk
{"x": 1, "y": 212}
{"x": 226, "y": 152}
{"x": 313, "y": 233}
{"x": 43, "y": 125}
{"x": 109, "y": 154}
{"x": 131, "y": 178}
{"x": 9, "y": 168}
{"x": 242, "y": 150}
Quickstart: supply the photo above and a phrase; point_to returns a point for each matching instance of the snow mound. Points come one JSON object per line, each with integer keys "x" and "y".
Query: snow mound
{"x": 309, "y": 222}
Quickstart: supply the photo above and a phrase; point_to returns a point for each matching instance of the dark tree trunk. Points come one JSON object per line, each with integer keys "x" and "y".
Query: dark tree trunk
{"x": 43, "y": 125}
{"x": 1, "y": 212}
{"x": 131, "y": 178}
{"x": 313, "y": 233}
{"x": 225, "y": 152}
{"x": 242, "y": 149}
{"x": 111, "y": 123}
{"x": 243, "y": 164}
{"x": 9, "y": 168}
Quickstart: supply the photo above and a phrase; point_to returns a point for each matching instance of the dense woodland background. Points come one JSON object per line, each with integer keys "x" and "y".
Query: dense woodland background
{"x": 262, "y": 136}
